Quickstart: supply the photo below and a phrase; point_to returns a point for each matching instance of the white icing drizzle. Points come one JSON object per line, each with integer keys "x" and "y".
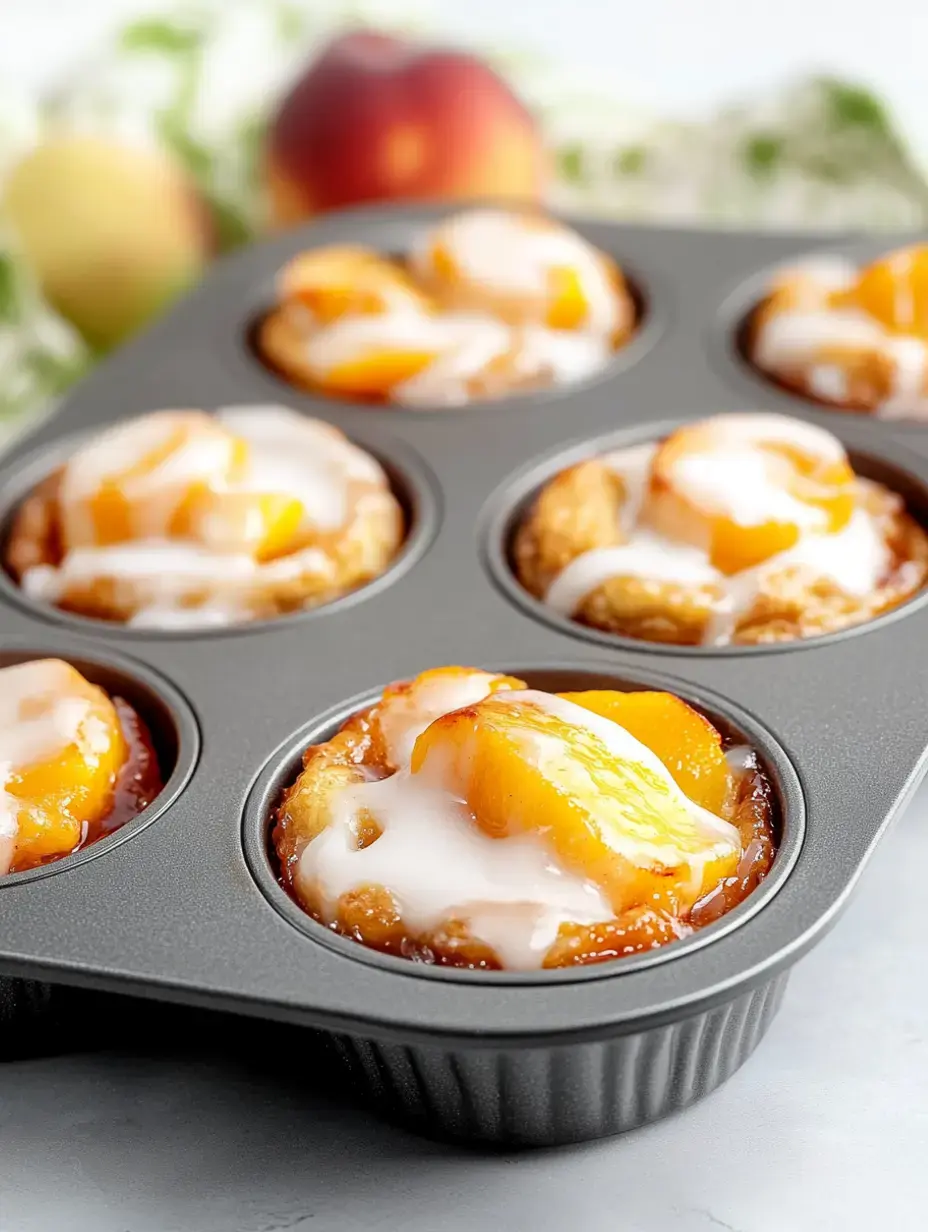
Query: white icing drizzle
{"x": 568, "y": 356}
{"x": 438, "y": 865}
{"x": 646, "y": 555}
{"x": 299, "y": 457}
{"x": 405, "y": 716}
{"x": 741, "y": 760}
{"x": 467, "y": 352}
{"x": 352, "y": 338}
{"x": 511, "y": 256}
{"x": 854, "y": 559}
{"x": 633, "y": 467}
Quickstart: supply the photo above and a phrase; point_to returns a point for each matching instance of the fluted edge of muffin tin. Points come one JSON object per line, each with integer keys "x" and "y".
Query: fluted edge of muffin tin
{"x": 495, "y": 1057}
{"x": 547, "y": 1097}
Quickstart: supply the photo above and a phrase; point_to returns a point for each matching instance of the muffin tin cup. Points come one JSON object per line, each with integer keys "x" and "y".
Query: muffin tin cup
{"x": 183, "y": 906}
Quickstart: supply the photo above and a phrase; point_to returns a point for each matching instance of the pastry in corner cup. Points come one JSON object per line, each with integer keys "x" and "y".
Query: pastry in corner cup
{"x": 186, "y": 519}
{"x": 736, "y": 530}
{"x": 854, "y": 337}
{"x": 467, "y": 820}
{"x": 75, "y": 764}
{"x": 486, "y": 304}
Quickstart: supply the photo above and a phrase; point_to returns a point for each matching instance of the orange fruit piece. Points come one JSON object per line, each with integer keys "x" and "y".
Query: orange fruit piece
{"x": 894, "y": 289}
{"x": 69, "y": 749}
{"x": 684, "y": 740}
{"x": 345, "y": 279}
{"x": 567, "y": 302}
{"x": 261, "y": 524}
{"x": 713, "y": 483}
{"x": 373, "y": 373}
{"x": 600, "y": 800}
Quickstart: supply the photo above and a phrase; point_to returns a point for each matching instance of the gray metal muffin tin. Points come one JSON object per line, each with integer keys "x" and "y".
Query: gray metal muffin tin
{"x": 183, "y": 905}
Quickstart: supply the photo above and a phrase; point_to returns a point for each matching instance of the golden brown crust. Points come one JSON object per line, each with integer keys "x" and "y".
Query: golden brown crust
{"x": 579, "y": 510}
{"x": 649, "y": 611}
{"x": 282, "y": 343}
{"x": 34, "y": 535}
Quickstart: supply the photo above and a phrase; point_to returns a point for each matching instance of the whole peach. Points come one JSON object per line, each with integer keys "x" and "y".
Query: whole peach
{"x": 380, "y": 118}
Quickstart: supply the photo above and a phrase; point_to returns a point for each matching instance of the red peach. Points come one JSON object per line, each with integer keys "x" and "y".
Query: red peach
{"x": 380, "y": 118}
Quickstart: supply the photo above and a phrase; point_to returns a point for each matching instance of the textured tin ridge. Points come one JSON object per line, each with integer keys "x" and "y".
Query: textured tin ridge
{"x": 569, "y": 1093}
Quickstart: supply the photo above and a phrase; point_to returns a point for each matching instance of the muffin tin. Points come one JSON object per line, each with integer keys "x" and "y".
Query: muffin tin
{"x": 183, "y": 904}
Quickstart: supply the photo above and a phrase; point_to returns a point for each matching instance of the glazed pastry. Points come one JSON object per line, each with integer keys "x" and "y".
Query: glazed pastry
{"x": 183, "y": 519}
{"x": 489, "y": 303}
{"x": 75, "y": 763}
{"x": 737, "y": 529}
{"x": 855, "y": 338}
{"x": 468, "y": 820}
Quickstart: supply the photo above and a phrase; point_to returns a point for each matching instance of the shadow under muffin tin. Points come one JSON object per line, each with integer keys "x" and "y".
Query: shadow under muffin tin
{"x": 505, "y": 1057}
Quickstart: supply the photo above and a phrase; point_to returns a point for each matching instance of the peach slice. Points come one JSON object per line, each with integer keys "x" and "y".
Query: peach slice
{"x": 262, "y": 524}
{"x": 604, "y": 803}
{"x": 347, "y": 279}
{"x": 894, "y": 289}
{"x": 137, "y": 479}
{"x": 406, "y": 709}
{"x": 684, "y": 740}
{"x": 746, "y": 487}
{"x": 370, "y": 356}
{"x": 65, "y": 747}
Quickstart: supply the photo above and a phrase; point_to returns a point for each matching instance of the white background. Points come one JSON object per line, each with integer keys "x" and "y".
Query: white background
{"x": 675, "y": 55}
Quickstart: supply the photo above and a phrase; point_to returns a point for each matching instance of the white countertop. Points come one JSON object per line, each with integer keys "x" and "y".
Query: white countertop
{"x": 826, "y": 1127}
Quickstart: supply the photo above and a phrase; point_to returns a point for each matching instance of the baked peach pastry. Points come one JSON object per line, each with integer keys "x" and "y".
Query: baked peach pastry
{"x": 853, "y": 337}
{"x": 184, "y": 519}
{"x": 742, "y": 528}
{"x": 75, "y": 764}
{"x": 488, "y": 303}
{"x": 468, "y": 820}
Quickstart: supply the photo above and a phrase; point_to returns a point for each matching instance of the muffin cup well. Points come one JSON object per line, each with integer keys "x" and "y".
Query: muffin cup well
{"x": 536, "y": 1094}
{"x": 871, "y": 457}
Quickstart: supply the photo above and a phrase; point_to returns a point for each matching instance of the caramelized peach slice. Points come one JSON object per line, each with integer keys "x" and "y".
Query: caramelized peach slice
{"x": 65, "y": 747}
{"x": 347, "y": 279}
{"x": 138, "y": 479}
{"x": 406, "y": 709}
{"x": 604, "y": 803}
{"x": 683, "y": 739}
{"x": 746, "y": 487}
{"x": 894, "y": 289}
